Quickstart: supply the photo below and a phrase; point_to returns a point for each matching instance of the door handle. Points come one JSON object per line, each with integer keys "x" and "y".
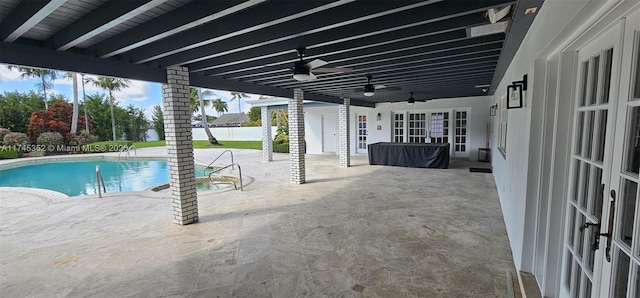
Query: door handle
{"x": 609, "y": 234}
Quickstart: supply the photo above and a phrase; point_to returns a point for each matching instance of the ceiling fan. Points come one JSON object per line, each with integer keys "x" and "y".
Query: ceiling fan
{"x": 302, "y": 70}
{"x": 370, "y": 90}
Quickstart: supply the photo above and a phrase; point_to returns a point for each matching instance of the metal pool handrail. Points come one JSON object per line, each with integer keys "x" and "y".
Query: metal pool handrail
{"x": 128, "y": 150}
{"x": 227, "y": 166}
{"x": 223, "y": 152}
{"x": 100, "y": 180}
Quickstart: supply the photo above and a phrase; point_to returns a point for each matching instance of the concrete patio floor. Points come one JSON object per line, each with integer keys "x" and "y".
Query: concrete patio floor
{"x": 394, "y": 232}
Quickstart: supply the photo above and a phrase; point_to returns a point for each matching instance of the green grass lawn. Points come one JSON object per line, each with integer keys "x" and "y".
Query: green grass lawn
{"x": 202, "y": 144}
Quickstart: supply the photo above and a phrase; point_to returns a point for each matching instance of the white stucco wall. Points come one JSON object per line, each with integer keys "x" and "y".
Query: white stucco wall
{"x": 478, "y": 118}
{"x": 511, "y": 171}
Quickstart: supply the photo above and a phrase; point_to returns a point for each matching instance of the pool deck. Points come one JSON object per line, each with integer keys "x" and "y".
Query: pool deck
{"x": 363, "y": 231}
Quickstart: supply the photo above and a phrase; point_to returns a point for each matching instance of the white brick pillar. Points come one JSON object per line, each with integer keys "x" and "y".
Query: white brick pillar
{"x": 343, "y": 115}
{"x": 296, "y": 137}
{"x": 267, "y": 139}
{"x": 177, "y": 128}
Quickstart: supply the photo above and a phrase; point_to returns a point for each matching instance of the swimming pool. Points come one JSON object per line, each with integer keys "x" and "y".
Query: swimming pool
{"x": 76, "y": 178}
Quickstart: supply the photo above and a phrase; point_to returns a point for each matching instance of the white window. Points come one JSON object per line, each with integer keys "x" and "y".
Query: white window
{"x": 504, "y": 117}
{"x": 417, "y": 127}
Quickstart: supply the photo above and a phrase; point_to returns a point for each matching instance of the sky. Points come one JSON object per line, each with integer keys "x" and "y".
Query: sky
{"x": 143, "y": 95}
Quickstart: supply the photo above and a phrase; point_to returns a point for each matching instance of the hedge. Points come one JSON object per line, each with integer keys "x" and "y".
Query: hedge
{"x": 281, "y": 147}
{"x": 8, "y": 154}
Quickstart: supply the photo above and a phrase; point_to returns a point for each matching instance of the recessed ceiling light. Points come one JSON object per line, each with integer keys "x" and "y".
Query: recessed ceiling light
{"x": 531, "y": 10}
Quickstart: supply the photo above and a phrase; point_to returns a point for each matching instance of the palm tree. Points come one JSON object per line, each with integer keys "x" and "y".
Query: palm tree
{"x": 111, "y": 85}
{"x": 74, "y": 120}
{"x": 196, "y": 99}
{"x": 220, "y": 106}
{"x": 45, "y": 76}
{"x": 238, "y": 96}
{"x": 84, "y": 102}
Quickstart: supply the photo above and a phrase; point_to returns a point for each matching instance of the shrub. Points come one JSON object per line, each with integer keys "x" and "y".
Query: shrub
{"x": 3, "y": 132}
{"x": 16, "y": 139}
{"x": 281, "y": 147}
{"x": 7, "y": 153}
{"x": 50, "y": 138}
{"x": 82, "y": 139}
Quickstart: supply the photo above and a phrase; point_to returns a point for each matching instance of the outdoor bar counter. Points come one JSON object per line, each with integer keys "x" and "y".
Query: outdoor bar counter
{"x": 410, "y": 155}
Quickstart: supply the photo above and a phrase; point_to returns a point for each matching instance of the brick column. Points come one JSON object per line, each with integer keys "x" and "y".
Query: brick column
{"x": 177, "y": 128}
{"x": 296, "y": 137}
{"x": 267, "y": 139}
{"x": 343, "y": 119}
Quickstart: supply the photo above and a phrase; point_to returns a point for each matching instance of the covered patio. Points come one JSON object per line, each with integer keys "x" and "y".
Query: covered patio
{"x": 364, "y": 231}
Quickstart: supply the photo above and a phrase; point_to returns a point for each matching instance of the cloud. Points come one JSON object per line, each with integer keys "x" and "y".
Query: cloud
{"x": 8, "y": 75}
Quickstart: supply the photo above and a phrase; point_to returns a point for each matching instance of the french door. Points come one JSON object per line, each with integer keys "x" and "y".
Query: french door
{"x": 621, "y": 276}
{"x": 601, "y": 258}
{"x": 361, "y": 133}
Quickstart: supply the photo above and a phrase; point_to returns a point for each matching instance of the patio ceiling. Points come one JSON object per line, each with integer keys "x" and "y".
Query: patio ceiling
{"x": 249, "y": 46}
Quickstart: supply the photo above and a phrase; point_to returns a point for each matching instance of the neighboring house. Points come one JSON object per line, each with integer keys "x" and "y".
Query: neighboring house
{"x": 230, "y": 119}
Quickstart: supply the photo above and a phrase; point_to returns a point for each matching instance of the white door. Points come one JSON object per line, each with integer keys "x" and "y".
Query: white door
{"x": 621, "y": 272}
{"x": 586, "y": 270}
{"x": 329, "y": 133}
{"x": 361, "y": 133}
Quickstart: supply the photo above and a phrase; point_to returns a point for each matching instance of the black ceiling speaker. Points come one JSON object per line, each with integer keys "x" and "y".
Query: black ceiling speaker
{"x": 303, "y": 70}
{"x": 411, "y": 100}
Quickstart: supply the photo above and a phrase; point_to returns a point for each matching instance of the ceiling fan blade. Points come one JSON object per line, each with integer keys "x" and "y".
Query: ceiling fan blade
{"x": 380, "y": 87}
{"x": 389, "y": 89}
{"x": 316, "y": 63}
{"x": 356, "y": 90}
{"x": 332, "y": 70}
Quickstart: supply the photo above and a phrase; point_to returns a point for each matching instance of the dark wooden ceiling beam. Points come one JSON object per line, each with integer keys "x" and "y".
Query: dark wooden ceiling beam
{"x": 181, "y": 19}
{"x": 441, "y": 65}
{"x": 383, "y": 53}
{"x": 24, "y": 55}
{"x": 25, "y": 16}
{"x": 105, "y": 17}
{"x": 285, "y": 76}
{"x": 267, "y": 16}
{"x": 350, "y": 13}
{"x": 422, "y": 21}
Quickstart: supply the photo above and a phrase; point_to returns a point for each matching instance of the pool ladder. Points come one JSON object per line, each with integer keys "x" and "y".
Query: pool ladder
{"x": 100, "y": 181}
{"x": 127, "y": 150}
{"x": 210, "y": 166}
{"x": 218, "y": 172}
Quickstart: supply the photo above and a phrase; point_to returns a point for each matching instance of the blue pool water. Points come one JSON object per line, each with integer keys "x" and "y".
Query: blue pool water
{"x": 79, "y": 177}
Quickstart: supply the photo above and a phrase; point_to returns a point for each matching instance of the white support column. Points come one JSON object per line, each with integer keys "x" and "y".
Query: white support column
{"x": 296, "y": 137}
{"x": 177, "y": 127}
{"x": 343, "y": 116}
{"x": 267, "y": 139}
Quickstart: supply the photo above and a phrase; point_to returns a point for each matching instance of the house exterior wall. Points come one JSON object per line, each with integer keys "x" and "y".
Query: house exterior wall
{"x": 478, "y": 108}
{"x": 512, "y": 172}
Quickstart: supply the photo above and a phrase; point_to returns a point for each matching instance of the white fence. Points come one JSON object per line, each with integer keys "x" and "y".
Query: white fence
{"x": 253, "y": 133}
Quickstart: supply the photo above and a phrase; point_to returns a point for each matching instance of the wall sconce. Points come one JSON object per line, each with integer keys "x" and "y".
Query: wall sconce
{"x": 493, "y": 109}
{"x": 515, "y": 93}
{"x": 378, "y": 117}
